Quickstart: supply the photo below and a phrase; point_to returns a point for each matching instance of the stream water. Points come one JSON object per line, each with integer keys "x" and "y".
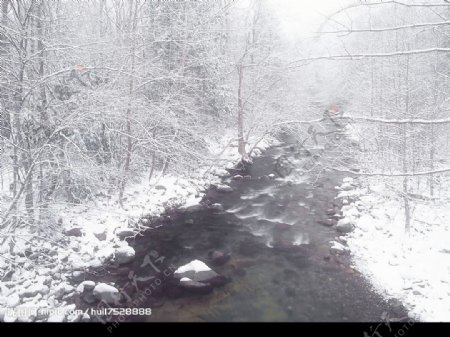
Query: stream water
{"x": 280, "y": 266}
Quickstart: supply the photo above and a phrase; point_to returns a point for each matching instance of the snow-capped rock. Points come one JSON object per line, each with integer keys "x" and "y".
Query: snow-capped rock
{"x": 106, "y": 293}
{"x": 198, "y": 271}
{"x": 85, "y": 285}
{"x": 344, "y": 226}
{"x": 125, "y": 233}
{"x": 224, "y": 188}
{"x": 124, "y": 254}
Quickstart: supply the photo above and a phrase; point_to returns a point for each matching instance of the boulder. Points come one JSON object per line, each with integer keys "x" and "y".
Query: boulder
{"x": 77, "y": 276}
{"x": 198, "y": 271}
{"x": 101, "y": 236}
{"x": 327, "y": 222}
{"x": 224, "y": 188}
{"x": 125, "y": 233}
{"x": 194, "y": 286}
{"x": 89, "y": 298}
{"x": 344, "y": 226}
{"x": 85, "y": 286}
{"x": 124, "y": 255}
{"x": 217, "y": 207}
{"x": 75, "y": 231}
{"x": 35, "y": 289}
{"x": 217, "y": 257}
{"x": 106, "y": 293}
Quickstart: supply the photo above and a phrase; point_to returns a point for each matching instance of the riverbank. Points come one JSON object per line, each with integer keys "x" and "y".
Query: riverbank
{"x": 413, "y": 267}
{"x": 40, "y": 272}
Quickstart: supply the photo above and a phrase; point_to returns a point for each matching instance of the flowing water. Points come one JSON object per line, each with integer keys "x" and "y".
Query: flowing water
{"x": 280, "y": 266}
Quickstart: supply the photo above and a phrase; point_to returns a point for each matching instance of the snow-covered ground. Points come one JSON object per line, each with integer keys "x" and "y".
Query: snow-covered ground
{"x": 96, "y": 232}
{"x": 413, "y": 268}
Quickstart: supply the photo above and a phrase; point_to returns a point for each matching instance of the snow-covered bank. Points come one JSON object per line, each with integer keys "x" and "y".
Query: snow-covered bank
{"x": 37, "y": 273}
{"x": 414, "y": 268}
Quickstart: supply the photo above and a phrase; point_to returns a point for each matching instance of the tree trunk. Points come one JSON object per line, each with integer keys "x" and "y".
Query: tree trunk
{"x": 241, "y": 140}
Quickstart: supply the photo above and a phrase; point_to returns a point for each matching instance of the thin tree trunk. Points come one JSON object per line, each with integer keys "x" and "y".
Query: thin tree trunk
{"x": 133, "y": 24}
{"x": 241, "y": 140}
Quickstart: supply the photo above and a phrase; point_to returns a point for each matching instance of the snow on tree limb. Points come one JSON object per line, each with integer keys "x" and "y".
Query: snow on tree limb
{"x": 384, "y": 29}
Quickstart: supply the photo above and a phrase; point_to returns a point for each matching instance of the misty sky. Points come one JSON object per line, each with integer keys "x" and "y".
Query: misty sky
{"x": 300, "y": 18}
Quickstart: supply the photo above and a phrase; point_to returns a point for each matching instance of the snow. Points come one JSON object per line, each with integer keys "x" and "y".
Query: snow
{"x": 413, "y": 268}
{"x": 338, "y": 246}
{"x": 195, "y": 265}
{"x": 185, "y": 279}
{"x": 104, "y": 215}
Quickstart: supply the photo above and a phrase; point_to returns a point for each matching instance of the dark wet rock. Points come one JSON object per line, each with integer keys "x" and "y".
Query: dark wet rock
{"x": 160, "y": 187}
{"x": 89, "y": 298}
{"x": 327, "y": 222}
{"x": 247, "y": 177}
{"x": 75, "y": 231}
{"x": 217, "y": 257}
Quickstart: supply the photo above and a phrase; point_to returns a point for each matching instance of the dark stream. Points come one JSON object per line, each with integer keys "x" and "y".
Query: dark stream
{"x": 280, "y": 266}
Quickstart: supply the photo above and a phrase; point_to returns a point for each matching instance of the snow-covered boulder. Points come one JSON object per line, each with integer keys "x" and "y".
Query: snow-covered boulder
{"x": 198, "y": 271}
{"x": 35, "y": 289}
{"x": 224, "y": 188}
{"x": 344, "y": 226}
{"x": 125, "y": 233}
{"x": 106, "y": 293}
{"x": 124, "y": 254}
{"x": 85, "y": 286}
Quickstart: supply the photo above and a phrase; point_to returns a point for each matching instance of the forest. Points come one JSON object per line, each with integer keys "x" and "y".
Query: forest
{"x": 125, "y": 125}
